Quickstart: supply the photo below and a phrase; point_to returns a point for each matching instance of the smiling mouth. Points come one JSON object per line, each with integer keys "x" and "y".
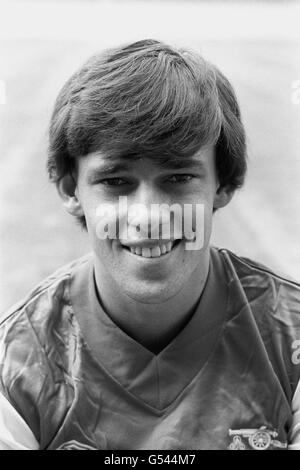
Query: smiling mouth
{"x": 157, "y": 251}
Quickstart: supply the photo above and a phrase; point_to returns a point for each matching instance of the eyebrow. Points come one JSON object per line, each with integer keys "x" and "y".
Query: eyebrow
{"x": 111, "y": 168}
{"x": 180, "y": 164}
{"x": 107, "y": 169}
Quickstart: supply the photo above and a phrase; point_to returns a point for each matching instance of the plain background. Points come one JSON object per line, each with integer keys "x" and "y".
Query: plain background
{"x": 256, "y": 44}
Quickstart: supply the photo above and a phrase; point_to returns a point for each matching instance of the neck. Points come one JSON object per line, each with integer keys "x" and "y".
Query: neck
{"x": 167, "y": 318}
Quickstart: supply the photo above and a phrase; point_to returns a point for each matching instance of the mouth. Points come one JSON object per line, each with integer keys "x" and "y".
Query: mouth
{"x": 161, "y": 250}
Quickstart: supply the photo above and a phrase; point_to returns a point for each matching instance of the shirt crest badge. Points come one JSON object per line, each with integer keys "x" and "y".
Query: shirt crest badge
{"x": 257, "y": 439}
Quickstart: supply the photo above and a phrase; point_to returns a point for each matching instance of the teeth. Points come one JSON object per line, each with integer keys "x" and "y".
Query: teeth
{"x": 163, "y": 249}
{"x": 154, "y": 252}
{"x": 138, "y": 250}
{"x": 146, "y": 252}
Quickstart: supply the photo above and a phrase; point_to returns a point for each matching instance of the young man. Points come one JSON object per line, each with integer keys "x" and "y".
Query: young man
{"x": 151, "y": 342}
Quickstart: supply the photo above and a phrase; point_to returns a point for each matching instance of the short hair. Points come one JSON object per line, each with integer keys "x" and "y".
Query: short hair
{"x": 148, "y": 99}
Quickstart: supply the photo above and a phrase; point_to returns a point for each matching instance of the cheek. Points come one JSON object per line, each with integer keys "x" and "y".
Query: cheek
{"x": 199, "y": 207}
{"x": 203, "y": 192}
{"x": 90, "y": 217}
{"x": 91, "y": 205}
{"x": 202, "y": 215}
{"x": 197, "y": 230}
{"x": 101, "y": 220}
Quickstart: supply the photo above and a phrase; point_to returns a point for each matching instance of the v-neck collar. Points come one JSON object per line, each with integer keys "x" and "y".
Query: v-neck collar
{"x": 156, "y": 379}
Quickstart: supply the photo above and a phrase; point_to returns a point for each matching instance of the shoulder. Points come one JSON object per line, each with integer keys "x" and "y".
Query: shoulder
{"x": 257, "y": 280}
{"x": 246, "y": 266}
{"x": 46, "y": 297}
{"x": 273, "y": 301}
{"x": 30, "y": 330}
{"x": 34, "y": 336}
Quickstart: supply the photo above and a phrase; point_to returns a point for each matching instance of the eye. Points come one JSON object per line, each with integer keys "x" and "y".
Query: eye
{"x": 180, "y": 178}
{"x": 113, "y": 182}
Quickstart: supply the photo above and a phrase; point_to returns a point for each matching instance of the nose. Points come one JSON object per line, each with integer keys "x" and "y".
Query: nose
{"x": 148, "y": 193}
{"x": 149, "y": 214}
{"x": 143, "y": 211}
{"x": 143, "y": 220}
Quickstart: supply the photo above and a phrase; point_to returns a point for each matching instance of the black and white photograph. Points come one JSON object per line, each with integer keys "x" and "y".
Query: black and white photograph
{"x": 150, "y": 227}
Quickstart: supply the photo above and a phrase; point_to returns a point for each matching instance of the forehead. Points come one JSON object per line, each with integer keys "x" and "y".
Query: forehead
{"x": 99, "y": 160}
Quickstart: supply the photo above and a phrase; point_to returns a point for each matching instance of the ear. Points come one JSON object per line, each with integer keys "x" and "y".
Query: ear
{"x": 222, "y": 197}
{"x": 67, "y": 189}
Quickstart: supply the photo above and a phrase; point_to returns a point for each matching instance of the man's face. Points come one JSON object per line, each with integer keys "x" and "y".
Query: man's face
{"x": 126, "y": 262}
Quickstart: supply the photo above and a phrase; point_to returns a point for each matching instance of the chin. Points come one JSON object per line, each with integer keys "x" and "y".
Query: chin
{"x": 151, "y": 294}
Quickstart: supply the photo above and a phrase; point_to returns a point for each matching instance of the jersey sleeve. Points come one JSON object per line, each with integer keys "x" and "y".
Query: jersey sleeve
{"x": 14, "y": 432}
